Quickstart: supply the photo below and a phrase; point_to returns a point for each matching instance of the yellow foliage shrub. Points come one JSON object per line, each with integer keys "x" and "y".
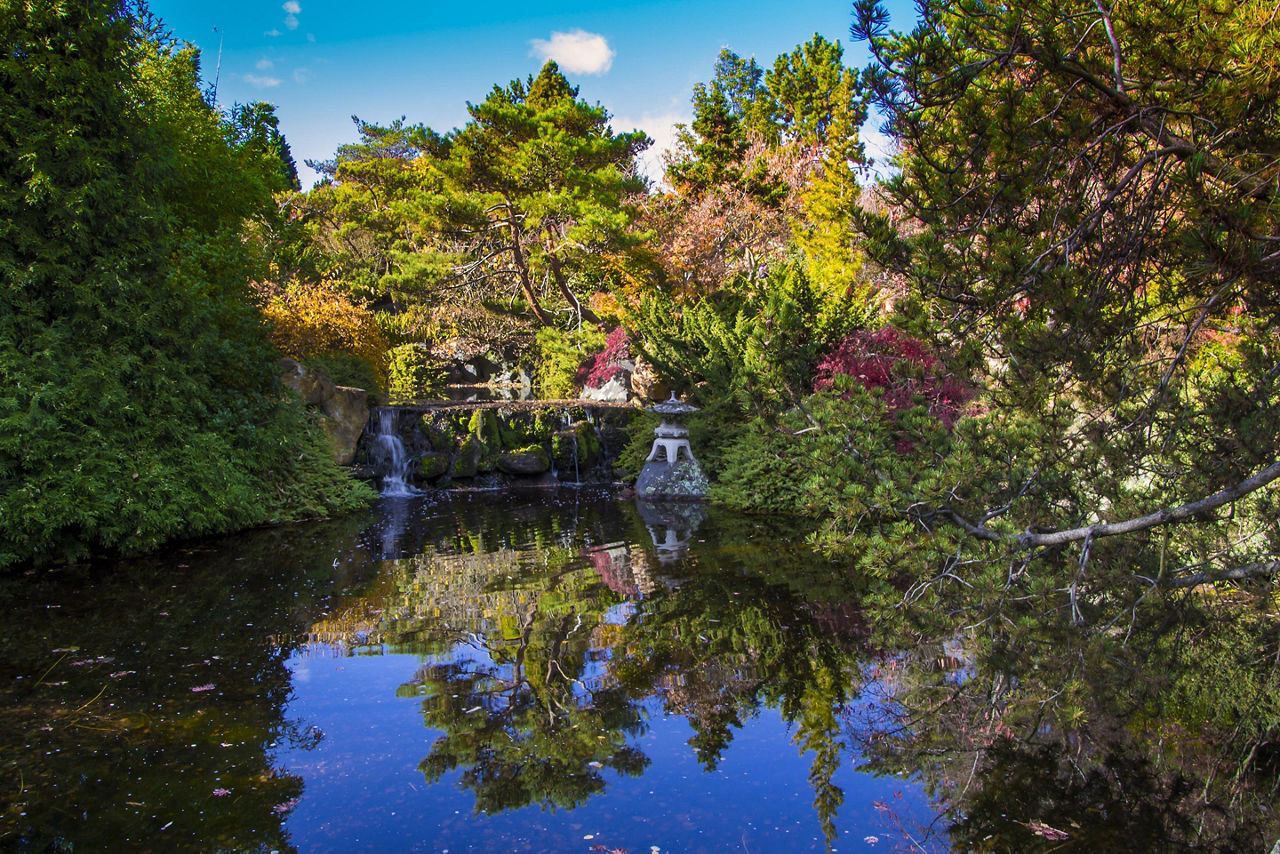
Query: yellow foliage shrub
{"x": 315, "y": 319}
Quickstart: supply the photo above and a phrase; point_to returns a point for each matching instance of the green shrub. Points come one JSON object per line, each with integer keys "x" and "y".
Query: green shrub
{"x": 558, "y": 355}
{"x": 139, "y": 398}
{"x": 412, "y": 373}
{"x": 347, "y": 369}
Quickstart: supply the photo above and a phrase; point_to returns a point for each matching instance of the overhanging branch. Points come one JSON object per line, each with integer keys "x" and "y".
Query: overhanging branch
{"x": 1239, "y": 573}
{"x": 1166, "y": 516}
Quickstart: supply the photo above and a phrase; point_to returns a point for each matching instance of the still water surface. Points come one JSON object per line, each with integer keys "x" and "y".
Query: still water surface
{"x": 485, "y": 672}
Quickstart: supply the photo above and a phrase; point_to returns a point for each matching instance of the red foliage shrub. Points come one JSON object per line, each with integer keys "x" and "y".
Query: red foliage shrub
{"x": 903, "y": 366}
{"x": 597, "y": 370}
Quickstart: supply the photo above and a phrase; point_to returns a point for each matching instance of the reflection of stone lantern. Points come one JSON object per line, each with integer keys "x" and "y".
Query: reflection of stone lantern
{"x": 671, "y": 525}
{"x": 668, "y": 473}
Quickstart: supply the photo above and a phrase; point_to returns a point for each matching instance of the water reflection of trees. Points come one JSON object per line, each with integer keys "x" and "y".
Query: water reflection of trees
{"x": 546, "y": 640}
{"x": 726, "y": 644}
{"x": 1034, "y": 732}
{"x": 139, "y": 704}
{"x": 547, "y": 635}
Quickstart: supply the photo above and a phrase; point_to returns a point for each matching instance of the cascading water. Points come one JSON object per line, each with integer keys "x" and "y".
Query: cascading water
{"x": 568, "y": 426}
{"x": 390, "y": 457}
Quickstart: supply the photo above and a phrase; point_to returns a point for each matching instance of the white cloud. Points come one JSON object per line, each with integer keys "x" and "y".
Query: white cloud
{"x": 661, "y": 129}
{"x": 264, "y": 64}
{"x": 881, "y": 148}
{"x": 261, "y": 81}
{"x": 577, "y": 51}
{"x": 291, "y": 8}
{"x": 301, "y": 75}
{"x": 272, "y": 33}
{"x": 311, "y": 37}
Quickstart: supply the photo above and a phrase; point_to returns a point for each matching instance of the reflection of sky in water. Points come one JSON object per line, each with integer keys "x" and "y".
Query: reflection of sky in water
{"x": 363, "y": 791}
{"x": 468, "y": 584}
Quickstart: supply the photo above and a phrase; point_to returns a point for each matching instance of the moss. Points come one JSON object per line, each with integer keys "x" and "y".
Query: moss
{"x": 440, "y": 431}
{"x": 484, "y": 426}
{"x": 518, "y": 429}
{"x": 466, "y": 463}
{"x": 432, "y": 465}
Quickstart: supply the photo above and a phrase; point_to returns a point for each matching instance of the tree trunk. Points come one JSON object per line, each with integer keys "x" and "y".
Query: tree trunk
{"x": 583, "y": 312}
{"x": 522, "y": 267}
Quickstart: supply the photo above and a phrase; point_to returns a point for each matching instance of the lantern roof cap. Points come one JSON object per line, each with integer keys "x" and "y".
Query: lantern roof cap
{"x": 674, "y": 407}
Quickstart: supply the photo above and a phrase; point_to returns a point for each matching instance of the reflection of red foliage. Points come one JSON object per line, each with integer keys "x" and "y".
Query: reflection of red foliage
{"x": 615, "y": 577}
{"x": 903, "y": 366}
{"x": 603, "y": 366}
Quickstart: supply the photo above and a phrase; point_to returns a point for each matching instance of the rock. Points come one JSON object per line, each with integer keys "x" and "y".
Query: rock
{"x": 682, "y": 480}
{"x": 438, "y": 431}
{"x": 432, "y": 465}
{"x": 467, "y": 462}
{"x": 576, "y": 448}
{"x": 616, "y": 390}
{"x": 530, "y": 461}
{"x": 347, "y": 413}
{"x": 646, "y": 385}
{"x": 314, "y": 388}
{"x": 346, "y": 409}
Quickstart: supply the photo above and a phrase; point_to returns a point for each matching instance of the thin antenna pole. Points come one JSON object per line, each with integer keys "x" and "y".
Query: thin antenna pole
{"x": 218, "y": 72}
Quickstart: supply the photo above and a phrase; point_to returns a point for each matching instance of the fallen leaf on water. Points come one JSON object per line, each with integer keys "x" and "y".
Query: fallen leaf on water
{"x": 199, "y": 688}
{"x": 1039, "y": 828}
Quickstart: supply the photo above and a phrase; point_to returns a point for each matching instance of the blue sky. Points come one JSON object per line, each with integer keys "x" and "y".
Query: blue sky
{"x": 321, "y": 62}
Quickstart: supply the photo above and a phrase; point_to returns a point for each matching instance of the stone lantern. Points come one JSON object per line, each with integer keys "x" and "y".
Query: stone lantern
{"x": 670, "y": 471}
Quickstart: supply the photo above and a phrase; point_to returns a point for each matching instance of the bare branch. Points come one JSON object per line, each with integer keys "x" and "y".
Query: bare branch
{"x": 1160, "y": 517}
{"x": 1166, "y": 516}
{"x": 1115, "y": 45}
{"x": 1239, "y": 573}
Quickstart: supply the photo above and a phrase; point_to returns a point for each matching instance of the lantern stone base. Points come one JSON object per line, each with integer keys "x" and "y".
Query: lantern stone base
{"x": 682, "y": 480}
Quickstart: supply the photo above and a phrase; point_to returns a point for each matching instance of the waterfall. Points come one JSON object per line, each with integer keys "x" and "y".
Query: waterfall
{"x": 568, "y": 425}
{"x": 389, "y": 455}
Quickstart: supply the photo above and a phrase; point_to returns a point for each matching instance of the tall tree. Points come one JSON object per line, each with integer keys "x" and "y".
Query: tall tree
{"x": 820, "y": 108}
{"x": 1095, "y": 189}
{"x": 537, "y": 186}
{"x": 138, "y": 396}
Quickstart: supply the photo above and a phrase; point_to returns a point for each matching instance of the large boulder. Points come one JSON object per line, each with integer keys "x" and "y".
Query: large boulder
{"x": 616, "y": 390}
{"x": 529, "y": 461}
{"x": 345, "y": 409}
{"x": 646, "y": 385}
{"x": 682, "y": 480}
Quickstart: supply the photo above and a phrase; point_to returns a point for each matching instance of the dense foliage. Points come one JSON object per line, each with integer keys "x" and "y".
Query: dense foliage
{"x": 522, "y": 213}
{"x": 1094, "y": 199}
{"x": 138, "y": 400}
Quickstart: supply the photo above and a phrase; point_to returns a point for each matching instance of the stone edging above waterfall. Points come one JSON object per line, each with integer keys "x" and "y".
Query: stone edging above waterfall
{"x": 493, "y": 444}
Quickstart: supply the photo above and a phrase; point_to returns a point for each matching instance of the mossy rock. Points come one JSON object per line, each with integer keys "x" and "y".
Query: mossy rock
{"x": 528, "y": 461}
{"x": 578, "y": 446}
{"x": 440, "y": 431}
{"x": 467, "y": 462}
{"x": 519, "y": 429}
{"x": 683, "y": 479}
{"x": 432, "y": 465}
{"x": 484, "y": 426}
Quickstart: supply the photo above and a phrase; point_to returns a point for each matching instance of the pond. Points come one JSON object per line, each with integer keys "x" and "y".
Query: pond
{"x": 454, "y": 673}
{"x": 554, "y": 671}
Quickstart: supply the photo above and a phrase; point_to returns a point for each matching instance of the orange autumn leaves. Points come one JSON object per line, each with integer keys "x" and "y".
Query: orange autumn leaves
{"x": 314, "y": 319}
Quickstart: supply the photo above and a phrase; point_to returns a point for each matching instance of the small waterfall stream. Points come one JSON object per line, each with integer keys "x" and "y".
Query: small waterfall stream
{"x": 414, "y": 449}
{"x": 389, "y": 455}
